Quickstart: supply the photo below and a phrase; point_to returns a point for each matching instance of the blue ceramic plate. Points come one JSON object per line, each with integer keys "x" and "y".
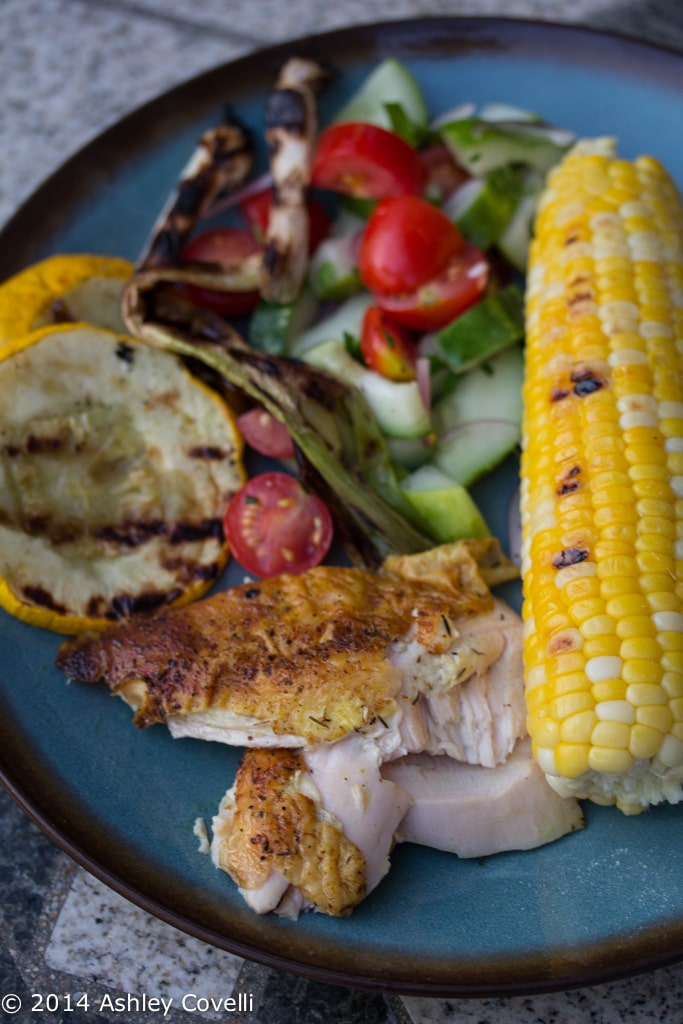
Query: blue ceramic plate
{"x": 596, "y": 905}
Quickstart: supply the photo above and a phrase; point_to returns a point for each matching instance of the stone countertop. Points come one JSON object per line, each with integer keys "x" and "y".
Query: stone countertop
{"x": 70, "y": 68}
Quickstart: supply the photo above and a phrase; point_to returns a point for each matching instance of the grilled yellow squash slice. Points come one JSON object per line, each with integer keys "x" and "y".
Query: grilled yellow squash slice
{"x": 63, "y": 288}
{"x": 116, "y": 467}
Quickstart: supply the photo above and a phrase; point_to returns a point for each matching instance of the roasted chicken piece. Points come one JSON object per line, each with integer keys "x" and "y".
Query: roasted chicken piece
{"x": 278, "y": 836}
{"x": 418, "y": 656}
{"x": 314, "y": 829}
{"x": 342, "y": 673}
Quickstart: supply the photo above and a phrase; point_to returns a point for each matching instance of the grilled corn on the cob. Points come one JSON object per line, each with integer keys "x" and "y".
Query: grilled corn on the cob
{"x": 602, "y": 480}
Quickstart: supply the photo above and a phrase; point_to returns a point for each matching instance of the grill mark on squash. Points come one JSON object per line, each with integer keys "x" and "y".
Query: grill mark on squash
{"x": 129, "y": 534}
{"x": 42, "y": 597}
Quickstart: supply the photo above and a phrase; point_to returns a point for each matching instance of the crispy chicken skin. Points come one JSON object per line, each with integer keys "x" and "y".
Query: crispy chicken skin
{"x": 305, "y": 654}
{"x": 273, "y": 837}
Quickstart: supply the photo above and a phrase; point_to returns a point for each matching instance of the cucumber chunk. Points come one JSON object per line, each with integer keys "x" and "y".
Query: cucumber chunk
{"x": 483, "y": 207}
{"x": 490, "y": 391}
{"x": 274, "y": 326}
{"x": 473, "y": 449}
{"x": 480, "y": 146}
{"x": 495, "y": 323}
{"x": 345, "y": 321}
{"x": 333, "y": 271}
{"x": 514, "y": 241}
{"x": 410, "y": 453}
{"x": 478, "y": 423}
{"x": 396, "y": 405}
{"x": 391, "y": 83}
{"x": 447, "y": 508}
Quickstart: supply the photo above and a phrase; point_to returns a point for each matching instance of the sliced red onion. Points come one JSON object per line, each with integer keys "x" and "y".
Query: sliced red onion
{"x": 424, "y": 382}
{"x": 469, "y": 427}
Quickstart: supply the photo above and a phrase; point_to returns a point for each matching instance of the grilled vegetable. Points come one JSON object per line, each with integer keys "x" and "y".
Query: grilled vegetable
{"x": 220, "y": 162}
{"x": 291, "y": 128}
{"x": 341, "y": 453}
{"x": 116, "y": 468}
{"x": 63, "y": 288}
{"x": 602, "y": 481}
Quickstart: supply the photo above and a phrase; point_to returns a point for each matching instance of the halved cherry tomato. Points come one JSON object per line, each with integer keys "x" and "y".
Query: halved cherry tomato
{"x": 256, "y": 211}
{"x": 443, "y": 298}
{"x": 366, "y": 161}
{"x": 227, "y": 246}
{"x": 386, "y": 347}
{"x": 444, "y": 175}
{"x": 265, "y": 434}
{"x": 406, "y": 242}
{"x": 274, "y": 526}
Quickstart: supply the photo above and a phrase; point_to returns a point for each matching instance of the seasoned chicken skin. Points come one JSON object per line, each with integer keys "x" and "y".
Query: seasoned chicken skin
{"x": 303, "y": 660}
{"x": 272, "y": 835}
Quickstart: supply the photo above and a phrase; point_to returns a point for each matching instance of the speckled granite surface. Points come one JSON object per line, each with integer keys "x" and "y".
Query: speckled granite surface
{"x": 69, "y": 68}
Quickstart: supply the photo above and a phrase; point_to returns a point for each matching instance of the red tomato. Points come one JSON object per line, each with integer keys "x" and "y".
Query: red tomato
{"x": 444, "y": 175}
{"x": 227, "y": 246}
{"x": 366, "y": 161}
{"x": 274, "y": 526}
{"x": 265, "y": 434}
{"x": 441, "y": 299}
{"x": 386, "y": 348}
{"x": 256, "y": 210}
{"x": 406, "y": 242}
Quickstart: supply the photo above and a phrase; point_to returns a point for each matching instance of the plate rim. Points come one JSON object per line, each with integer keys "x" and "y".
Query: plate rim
{"x": 653, "y": 947}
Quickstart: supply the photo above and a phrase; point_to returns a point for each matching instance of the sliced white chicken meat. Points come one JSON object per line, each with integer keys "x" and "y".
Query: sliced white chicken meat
{"x": 474, "y": 811}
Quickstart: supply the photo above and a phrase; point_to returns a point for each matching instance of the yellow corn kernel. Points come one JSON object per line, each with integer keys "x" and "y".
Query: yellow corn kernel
{"x": 615, "y": 735}
{"x": 635, "y": 626}
{"x": 656, "y": 716}
{"x": 572, "y": 759}
{"x": 645, "y": 693}
{"x": 643, "y": 648}
{"x": 570, "y": 704}
{"x": 602, "y": 646}
{"x": 577, "y": 728}
{"x": 609, "y": 690}
{"x": 644, "y": 742}
{"x": 672, "y": 684}
{"x": 607, "y": 759}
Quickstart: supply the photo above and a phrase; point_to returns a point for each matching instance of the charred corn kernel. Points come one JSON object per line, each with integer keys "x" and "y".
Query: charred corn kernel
{"x": 602, "y": 480}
